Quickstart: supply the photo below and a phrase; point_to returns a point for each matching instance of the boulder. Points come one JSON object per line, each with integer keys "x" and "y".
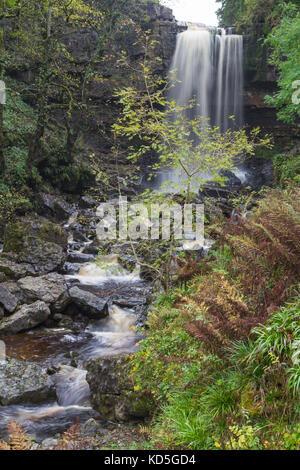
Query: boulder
{"x": 13, "y": 270}
{"x": 26, "y": 228}
{"x": 24, "y": 382}
{"x": 70, "y": 268}
{"x": 50, "y": 288}
{"x": 32, "y": 246}
{"x": 89, "y": 303}
{"x": 91, "y": 250}
{"x": 7, "y": 300}
{"x": 112, "y": 393}
{"x": 80, "y": 258}
{"x": 13, "y": 288}
{"x": 27, "y": 317}
{"x": 90, "y": 427}
{"x": 54, "y": 206}
{"x": 45, "y": 257}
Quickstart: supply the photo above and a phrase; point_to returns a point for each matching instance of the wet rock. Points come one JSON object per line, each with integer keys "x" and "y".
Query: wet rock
{"x": 129, "y": 302}
{"x": 50, "y": 288}
{"x": 80, "y": 258}
{"x": 88, "y": 303}
{"x": 217, "y": 191}
{"x": 54, "y": 206}
{"x": 91, "y": 250}
{"x": 8, "y": 301}
{"x": 75, "y": 246}
{"x": 112, "y": 392}
{"x": 24, "y": 382}
{"x": 260, "y": 172}
{"x": 64, "y": 320}
{"x": 13, "y": 270}
{"x": 70, "y": 268}
{"x": 26, "y": 318}
{"x": 78, "y": 235}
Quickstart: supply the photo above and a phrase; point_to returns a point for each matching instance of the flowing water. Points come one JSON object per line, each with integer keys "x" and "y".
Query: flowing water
{"x": 54, "y": 347}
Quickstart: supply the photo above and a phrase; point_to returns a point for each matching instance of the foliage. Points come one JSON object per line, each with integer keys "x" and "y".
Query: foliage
{"x": 160, "y": 126}
{"x": 266, "y": 250}
{"x": 17, "y": 439}
{"x": 12, "y": 203}
{"x": 70, "y": 439}
{"x": 284, "y": 42}
{"x": 287, "y": 169}
{"x": 278, "y": 343}
{"x": 245, "y": 13}
{"x": 233, "y": 381}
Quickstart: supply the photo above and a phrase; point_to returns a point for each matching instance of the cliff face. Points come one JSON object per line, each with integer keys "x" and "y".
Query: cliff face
{"x": 107, "y": 75}
{"x": 260, "y": 81}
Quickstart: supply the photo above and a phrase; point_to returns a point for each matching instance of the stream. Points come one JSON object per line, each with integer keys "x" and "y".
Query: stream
{"x": 63, "y": 350}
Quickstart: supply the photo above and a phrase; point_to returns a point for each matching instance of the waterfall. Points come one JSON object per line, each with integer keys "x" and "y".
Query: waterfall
{"x": 193, "y": 67}
{"x": 209, "y": 69}
{"x": 229, "y": 81}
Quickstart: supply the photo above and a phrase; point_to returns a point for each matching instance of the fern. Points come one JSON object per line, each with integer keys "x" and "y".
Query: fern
{"x": 17, "y": 439}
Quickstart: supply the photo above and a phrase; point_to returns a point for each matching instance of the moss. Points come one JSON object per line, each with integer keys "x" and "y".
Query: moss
{"x": 52, "y": 233}
{"x": 15, "y": 238}
{"x": 249, "y": 403}
{"x": 141, "y": 405}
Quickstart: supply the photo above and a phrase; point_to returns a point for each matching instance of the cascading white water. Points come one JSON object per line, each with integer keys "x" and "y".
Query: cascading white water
{"x": 229, "y": 81}
{"x": 209, "y": 69}
{"x": 193, "y": 67}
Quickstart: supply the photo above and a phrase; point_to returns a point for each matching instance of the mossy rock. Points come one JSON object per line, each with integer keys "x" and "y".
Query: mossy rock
{"x": 18, "y": 234}
{"x": 112, "y": 391}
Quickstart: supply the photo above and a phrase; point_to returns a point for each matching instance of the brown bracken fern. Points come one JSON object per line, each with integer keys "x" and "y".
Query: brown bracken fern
{"x": 264, "y": 269}
{"x": 17, "y": 438}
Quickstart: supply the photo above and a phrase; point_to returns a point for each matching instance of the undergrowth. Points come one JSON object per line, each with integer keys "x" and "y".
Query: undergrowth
{"x": 221, "y": 355}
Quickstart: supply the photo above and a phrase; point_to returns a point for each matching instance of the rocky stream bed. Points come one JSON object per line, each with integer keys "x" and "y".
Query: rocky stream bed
{"x": 65, "y": 317}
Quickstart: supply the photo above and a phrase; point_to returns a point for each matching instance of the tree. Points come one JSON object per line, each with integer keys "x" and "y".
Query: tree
{"x": 5, "y": 8}
{"x": 193, "y": 146}
{"x": 284, "y": 42}
{"x": 45, "y": 43}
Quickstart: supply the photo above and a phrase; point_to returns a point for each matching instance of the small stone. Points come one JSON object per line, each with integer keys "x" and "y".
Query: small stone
{"x": 90, "y": 427}
{"x": 49, "y": 444}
